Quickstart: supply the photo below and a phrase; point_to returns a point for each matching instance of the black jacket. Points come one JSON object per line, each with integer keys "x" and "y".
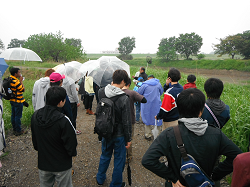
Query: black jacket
{"x": 122, "y": 116}
{"x": 205, "y": 149}
{"x": 54, "y": 138}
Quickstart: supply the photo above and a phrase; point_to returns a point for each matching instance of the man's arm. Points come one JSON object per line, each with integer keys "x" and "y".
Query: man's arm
{"x": 74, "y": 93}
{"x": 33, "y": 132}
{"x": 126, "y": 120}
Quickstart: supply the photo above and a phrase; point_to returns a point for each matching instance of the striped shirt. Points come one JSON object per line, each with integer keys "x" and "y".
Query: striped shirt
{"x": 18, "y": 89}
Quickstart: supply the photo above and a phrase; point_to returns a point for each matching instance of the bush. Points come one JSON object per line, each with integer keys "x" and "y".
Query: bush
{"x": 201, "y": 56}
{"x": 125, "y": 57}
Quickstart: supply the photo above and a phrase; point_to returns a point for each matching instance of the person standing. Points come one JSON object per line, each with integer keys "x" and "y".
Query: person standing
{"x": 54, "y": 137}
{"x": 122, "y": 134}
{"x": 133, "y": 97}
{"x": 138, "y": 104}
{"x": 89, "y": 96}
{"x": 17, "y": 89}
{"x": 168, "y": 110}
{"x": 39, "y": 90}
{"x": 151, "y": 90}
{"x": 190, "y": 82}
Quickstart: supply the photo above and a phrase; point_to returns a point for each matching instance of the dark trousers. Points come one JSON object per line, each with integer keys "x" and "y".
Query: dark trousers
{"x": 88, "y": 100}
{"x": 74, "y": 113}
{"x": 16, "y": 115}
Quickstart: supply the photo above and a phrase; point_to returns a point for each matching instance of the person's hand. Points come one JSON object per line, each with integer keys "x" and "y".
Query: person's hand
{"x": 133, "y": 76}
{"x": 77, "y": 89}
{"x": 78, "y": 104}
{"x": 21, "y": 78}
{"x": 128, "y": 145}
{"x": 155, "y": 117}
{"x": 168, "y": 81}
{"x": 177, "y": 184}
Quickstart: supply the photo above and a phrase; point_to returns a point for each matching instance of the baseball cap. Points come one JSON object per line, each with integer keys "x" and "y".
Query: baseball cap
{"x": 140, "y": 79}
{"x": 151, "y": 76}
{"x": 55, "y": 77}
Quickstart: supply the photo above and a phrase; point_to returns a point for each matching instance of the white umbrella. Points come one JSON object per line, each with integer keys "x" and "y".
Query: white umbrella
{"x": 102, "y": 69}
{"x": 70, "y": 69}
{"x": 20, "y": 53}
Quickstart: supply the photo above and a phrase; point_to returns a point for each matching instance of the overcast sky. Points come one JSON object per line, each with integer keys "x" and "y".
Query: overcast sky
{"x": 101, "y": 24}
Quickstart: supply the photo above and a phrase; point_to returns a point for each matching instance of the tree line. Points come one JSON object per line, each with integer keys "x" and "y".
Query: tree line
{"x": 54, "y": 47}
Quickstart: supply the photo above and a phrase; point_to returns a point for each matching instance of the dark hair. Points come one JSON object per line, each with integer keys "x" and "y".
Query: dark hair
{"x": 191, "y": 78}
{"x": 119, "y": 76}
{"x": 174, "y": 74}
{"x": 142, "y": 68}
{"x": 128, "y": 82}
{"x": 13, "y": 71}
{"x": 48, "y": 72}
{"x": 190, "y": 103}
{"x": 55, "y": 95}
{"x": 56, "y": 83}
{"x": 213, "y": 88}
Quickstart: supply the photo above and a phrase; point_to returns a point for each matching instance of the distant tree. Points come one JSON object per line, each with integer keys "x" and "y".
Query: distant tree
{"x": 52, "y": 47}
{"x": 74, "y": 42}
{"x": 188, "y": 44}
{"x": 166, "y": 49}
{"x": 15, "y": 43}
{"x": 201, "y": 56}
{"x": 243, "y": 44}
{"x": 126, "y": 46}
{"x": 227, "y": 46}
{"x": 1, "y": 45}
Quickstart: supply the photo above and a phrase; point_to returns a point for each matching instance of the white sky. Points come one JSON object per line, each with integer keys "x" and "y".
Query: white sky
{"x": 101, "y": 24}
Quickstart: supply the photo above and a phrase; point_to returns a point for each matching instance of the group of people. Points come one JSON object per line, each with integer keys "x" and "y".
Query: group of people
{"x": 53, "y": 125}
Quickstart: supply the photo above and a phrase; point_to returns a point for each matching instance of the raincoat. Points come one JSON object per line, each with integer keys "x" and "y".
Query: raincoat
{"x": 151, "y": 90}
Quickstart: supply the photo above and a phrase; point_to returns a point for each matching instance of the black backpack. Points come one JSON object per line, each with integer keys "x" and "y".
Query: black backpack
{"x": 6, "y": 90}
{"x": 105, "y": 117}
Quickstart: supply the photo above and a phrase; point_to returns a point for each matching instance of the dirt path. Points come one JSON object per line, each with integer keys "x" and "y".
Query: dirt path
{"x": 20, "y": 165}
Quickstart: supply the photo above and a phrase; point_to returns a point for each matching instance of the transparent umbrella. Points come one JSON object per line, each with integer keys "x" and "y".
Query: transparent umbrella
{"x": 20, "y": 53}
{"x": 70, "y": 69}
{"x": 102, "y": 69}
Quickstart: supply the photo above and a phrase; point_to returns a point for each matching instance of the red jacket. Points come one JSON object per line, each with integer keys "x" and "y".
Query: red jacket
{"x": 189, "y": 85}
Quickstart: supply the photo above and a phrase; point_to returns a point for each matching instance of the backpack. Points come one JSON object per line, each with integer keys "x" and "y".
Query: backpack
{"x": 105, "y": 117}
{"x": 6, "y": 90}
{"x": 190, "y": 169}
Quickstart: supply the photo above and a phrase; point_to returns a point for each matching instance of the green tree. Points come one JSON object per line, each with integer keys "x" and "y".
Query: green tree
{"x": 1, "y": 45}
{"x": 15, "y": 43}
{"x": 74, "y": 42}
{"x": 201, "y": 56}
{"x": 243, "y": 44}
{"x": 227, "y": 46}
{"x": 188, "y": 44}
{"x": 166, "y": 49}
{"x": 126, "y": 45}
{"x": 52, "y": 47}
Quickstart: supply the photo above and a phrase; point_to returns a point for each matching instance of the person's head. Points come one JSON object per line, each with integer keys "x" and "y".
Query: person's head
{"x": 128, "y": 83}
{"x": 48, "y": 72}
{"x": 213, "y": 88}
{"x": 140, "y": 79}
{"x": 191, "y": 78}
{"x": 56, "y": 96}
{"x": 190, "y": 103}
{"x": 142, "y": 69}
{"x": 174, "y": 74}
{"x": 120, "y": 77}
{"x": 56, "y": 79}
{"x": 15, "y": 72}
{"x": 151, "y": 77}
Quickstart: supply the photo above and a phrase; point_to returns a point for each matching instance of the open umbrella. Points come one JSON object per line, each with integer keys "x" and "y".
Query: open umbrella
{"x": 70, "y": 69}
{"x": 20, "y": 53}
{"x": 102, "y": 69}
{"x": 3, "y": 66}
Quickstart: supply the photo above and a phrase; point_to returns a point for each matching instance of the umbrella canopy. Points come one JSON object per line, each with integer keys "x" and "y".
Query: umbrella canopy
{"x": 20, "y": 53}
{"x": 3, "y": 66}
{"x": 70, "y": 69}
{"x": 102, "y": 69}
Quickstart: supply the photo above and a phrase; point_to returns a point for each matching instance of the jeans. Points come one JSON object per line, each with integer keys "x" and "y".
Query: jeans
{"x": 63, "y": 178}
{"x": 137, "y": 111}
{"x": 16, "y": 115}
{"x": 118, "y": 145}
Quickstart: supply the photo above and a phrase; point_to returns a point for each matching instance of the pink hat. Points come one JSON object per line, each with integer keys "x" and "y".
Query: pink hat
{"x": 55, "y": 77}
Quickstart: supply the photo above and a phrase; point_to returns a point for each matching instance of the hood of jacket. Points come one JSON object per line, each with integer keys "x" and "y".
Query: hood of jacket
{"x": 216, "y": 105}
{"x": 44, "y": 81}
{"x": 152, "y": 82}
{"x": 111, "y": 91}
{"x": 48, "y": 115}
{"x": 68, "y": 81}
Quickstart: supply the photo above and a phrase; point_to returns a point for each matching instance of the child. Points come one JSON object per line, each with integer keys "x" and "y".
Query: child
{"x": 214, "y": 106}
{"x": 168, "y": 111}
{"x": 190, "y": 82}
